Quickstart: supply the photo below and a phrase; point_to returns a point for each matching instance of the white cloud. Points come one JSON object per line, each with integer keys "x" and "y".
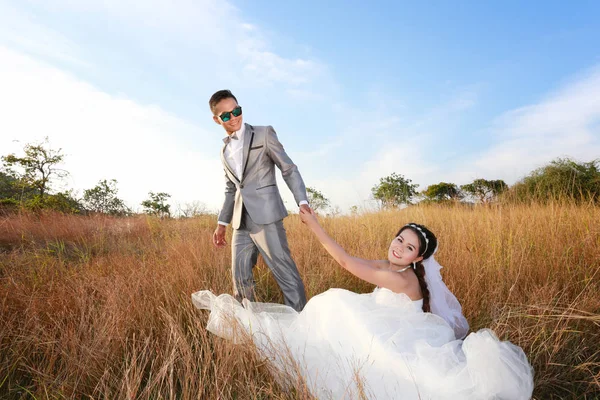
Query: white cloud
{"x": 350, "y": 184}
{"x": 195, "y": 38}
{"x": 104, "y": 136}
{"x": 201, "y": 44}
{"x": 379, "y": 140}
{"x": 566, "y": 123}
{"x": 107, "y": 135}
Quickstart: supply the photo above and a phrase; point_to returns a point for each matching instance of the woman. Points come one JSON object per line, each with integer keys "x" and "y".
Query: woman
{"x": 381, "y": 345}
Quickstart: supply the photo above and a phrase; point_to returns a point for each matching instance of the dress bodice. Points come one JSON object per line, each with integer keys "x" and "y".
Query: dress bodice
{"x": 417, "y": 303}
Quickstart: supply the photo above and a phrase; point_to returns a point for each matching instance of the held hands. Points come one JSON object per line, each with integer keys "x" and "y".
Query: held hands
{"x": 219, "y": 236}
{"x": 308, "y": 216}
{"x": 304, "y": 207}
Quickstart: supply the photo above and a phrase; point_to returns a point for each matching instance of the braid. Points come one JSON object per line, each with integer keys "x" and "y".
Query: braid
{"x": 420, "y": 272}
{"x": 427, "y": 246}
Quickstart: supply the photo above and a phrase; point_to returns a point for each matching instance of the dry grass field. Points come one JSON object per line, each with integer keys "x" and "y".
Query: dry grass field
{"x": 100, "y": 308}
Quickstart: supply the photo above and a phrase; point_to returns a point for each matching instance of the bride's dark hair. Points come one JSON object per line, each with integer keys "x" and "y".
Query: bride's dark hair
{"x": 426, "y": 249}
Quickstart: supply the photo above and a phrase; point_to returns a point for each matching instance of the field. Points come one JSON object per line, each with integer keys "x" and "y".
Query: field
{"x": 100, "y": 308}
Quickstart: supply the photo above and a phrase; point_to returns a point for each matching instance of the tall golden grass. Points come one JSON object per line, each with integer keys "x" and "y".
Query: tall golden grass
{"x": 100, "y": 308}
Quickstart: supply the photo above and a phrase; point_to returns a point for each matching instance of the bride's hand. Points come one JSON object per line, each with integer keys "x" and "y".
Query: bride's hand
{"x": 308, "y": 216}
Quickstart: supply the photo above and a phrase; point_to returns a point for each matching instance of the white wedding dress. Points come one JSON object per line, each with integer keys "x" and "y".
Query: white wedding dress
{"x": 379, "y": 344}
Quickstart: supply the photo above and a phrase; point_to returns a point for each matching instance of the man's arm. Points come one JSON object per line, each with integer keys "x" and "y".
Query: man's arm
{"x": 226, "y": 213}
{"x": 289, "y": 170}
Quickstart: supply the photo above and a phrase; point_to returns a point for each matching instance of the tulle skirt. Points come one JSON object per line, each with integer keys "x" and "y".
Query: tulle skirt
{"x": 378, "y": 345}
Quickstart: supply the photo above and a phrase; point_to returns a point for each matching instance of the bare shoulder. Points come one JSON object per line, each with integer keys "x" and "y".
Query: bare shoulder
{"x": 399, "y": 282}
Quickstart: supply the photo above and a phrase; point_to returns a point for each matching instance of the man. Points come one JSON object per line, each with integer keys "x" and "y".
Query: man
{"x": 253, "y": 204}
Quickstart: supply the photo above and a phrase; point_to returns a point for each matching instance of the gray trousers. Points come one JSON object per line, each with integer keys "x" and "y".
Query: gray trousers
{"x": 271, "y": 242}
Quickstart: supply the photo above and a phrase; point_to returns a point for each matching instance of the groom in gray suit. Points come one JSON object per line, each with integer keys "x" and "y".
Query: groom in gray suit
{"x": 253, "y": 205}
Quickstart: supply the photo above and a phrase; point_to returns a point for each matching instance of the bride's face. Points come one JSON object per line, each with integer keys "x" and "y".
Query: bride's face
{"x": 404, "y": 249}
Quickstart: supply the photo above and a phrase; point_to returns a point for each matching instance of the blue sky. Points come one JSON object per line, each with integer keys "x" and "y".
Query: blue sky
{"x": 438, "y": 91}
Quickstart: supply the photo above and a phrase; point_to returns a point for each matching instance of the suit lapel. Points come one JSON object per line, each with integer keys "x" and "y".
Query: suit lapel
{"x": 248, "y": 138}
{"x": 226, "y": 164}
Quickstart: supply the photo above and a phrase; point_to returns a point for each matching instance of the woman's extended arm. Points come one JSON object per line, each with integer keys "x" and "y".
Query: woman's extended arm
{"x": 363, "y": 269}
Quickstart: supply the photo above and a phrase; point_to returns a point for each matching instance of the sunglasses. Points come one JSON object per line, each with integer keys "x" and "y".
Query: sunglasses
{"x": 226, "y": 116}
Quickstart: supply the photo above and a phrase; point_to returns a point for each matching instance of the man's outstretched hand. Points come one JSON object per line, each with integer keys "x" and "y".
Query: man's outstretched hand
{"x": 219, "y": 236}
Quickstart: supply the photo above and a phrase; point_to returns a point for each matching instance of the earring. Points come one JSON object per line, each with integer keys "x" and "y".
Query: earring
{"x": 414, "y": 265}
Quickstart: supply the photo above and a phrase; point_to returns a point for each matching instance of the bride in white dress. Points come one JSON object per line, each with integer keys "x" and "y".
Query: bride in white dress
{"x": 402, "y": 341}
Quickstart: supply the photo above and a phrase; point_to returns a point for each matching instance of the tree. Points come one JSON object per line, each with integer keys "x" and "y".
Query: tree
{"x": 103, "y": 199}
{"x": 192, "y": 209}
{"x": 38, "y": 165}
{"x": 334, "y": 211}
{"x": 316, "y": 199}
{"x": 394, "y": 190}
{"x": 157, "y": 205}
{"x": 443, "y": 192}
{"x": 485, "y": 191}
{"x": 561, "y": 178}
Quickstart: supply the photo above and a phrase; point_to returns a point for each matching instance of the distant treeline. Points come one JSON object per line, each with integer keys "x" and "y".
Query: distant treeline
{"x": 27, "y": 180}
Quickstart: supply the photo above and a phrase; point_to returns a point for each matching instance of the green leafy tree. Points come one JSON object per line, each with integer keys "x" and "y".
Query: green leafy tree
{"x": 316, "y": 199}
{"x": 394, "y": 190}
{"x": 562, "y": 178}
{"x": 103, "y": 199}
{"x": 36, "y": 168}
{"x": 443, "y": 192}
{"x": 157, "y": 204}
{"x": 484, "y": 190}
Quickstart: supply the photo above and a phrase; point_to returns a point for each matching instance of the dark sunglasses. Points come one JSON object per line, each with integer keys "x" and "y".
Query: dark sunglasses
{"x": 226, "y": 116}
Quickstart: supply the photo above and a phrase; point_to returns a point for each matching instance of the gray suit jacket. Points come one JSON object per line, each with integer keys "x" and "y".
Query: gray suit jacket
{"x": 257, "y": 190}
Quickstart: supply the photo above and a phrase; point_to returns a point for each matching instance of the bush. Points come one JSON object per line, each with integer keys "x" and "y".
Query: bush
{"x": 561, "y": 179}
{"x": 62, "y": 202}
{"x": 8, "y": 206}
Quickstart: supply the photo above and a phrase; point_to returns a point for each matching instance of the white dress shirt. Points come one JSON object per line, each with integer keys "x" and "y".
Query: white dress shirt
{"x": 234, "y": 152}
{"x": 234, "y": 155}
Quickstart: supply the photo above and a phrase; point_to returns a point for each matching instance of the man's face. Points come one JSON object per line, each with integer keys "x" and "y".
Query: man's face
{"x": 227, "y": 105}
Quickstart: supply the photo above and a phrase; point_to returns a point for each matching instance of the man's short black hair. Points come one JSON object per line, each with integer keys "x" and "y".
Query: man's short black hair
{"x": 218, "y": 96}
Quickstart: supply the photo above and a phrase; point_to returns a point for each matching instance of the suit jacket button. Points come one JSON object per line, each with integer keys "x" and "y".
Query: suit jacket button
{"x": 241, "y": 186}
